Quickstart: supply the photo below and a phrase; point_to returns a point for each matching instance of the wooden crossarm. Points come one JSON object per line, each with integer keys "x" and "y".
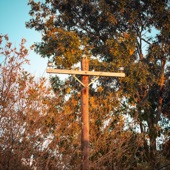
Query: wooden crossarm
{"x": 87, "y": 73}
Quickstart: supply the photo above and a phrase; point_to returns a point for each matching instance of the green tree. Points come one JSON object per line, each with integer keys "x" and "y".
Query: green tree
{"x": 112, "y": 33}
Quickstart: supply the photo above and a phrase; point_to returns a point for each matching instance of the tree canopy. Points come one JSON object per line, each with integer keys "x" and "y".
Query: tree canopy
{"x": 128, "y": 116}
{"x": 113, "y": 33}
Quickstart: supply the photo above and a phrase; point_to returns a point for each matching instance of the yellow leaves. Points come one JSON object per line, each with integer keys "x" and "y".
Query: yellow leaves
{"x": 122, "y": 119}
{"x": 100, "y": 89}
{"x": 32, "y": 93}
{"x": 68, "y": 47}
{"x": 112, "y": 19}
{"x": 49, "y": 22}
{"x": 74, "y": 102}
{"x": 68, "y": 90}
{"x": 126, "y": 35}
{"x": 72, "y": 51}
{"x": 120, "y": 39}
{"x": 92, "y": 102}
{"x": 131, "y": 51}
{"x": 45, "y": 101}
{"x": 52, "y": 33}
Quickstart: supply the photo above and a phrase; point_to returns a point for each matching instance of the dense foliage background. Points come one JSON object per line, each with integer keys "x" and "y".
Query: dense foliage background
{"x": 129, "y": 117}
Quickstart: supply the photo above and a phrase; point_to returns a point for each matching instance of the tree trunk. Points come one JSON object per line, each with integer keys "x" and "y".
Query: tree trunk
{"x": 152, "y": 136}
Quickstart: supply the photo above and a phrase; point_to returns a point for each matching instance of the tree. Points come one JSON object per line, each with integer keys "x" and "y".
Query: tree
{"x": 34, "y": 128}
{"x": 113, "y": 33}
{"x": 9, "y": 99}
{"x": 26, "y": 111}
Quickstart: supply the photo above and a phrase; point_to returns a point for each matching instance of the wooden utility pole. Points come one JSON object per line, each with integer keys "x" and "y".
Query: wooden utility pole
{"x": 85, "y": 116}
{"x": 84, "y": 102}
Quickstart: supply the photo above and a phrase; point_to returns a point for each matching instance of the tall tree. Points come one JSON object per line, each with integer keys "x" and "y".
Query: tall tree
{"x": 113, "y": 33}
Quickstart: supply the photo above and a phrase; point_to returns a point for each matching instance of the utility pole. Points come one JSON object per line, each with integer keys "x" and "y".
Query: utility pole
{"x": 85, "y": 116}
{"x": 84, "y": 101}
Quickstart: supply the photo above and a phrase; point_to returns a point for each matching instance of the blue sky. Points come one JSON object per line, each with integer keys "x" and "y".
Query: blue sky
{"x": 13, "y": 15}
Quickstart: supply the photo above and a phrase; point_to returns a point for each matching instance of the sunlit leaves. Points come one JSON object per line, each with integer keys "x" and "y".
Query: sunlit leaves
{"x": 112, "y": 34}
{"x": 22, "y": 109}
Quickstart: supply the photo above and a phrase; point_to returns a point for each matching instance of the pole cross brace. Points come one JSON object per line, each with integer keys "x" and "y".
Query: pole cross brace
{"x": 89, "y": 83}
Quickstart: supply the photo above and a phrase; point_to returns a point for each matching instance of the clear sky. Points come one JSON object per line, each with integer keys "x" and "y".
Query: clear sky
{"x": 13, "y": 15}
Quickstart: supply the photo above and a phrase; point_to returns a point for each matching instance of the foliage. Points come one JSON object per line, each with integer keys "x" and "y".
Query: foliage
{"x": 111, "y": 33}
{"x": 115, "y": 33}
{"x": 25, "y": 111}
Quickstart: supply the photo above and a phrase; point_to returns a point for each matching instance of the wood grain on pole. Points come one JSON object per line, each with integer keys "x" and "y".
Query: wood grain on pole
{"x": 85, "y": 116}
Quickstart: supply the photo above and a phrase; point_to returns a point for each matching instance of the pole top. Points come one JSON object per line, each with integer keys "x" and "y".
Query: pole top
{"x": 84, "y": 56}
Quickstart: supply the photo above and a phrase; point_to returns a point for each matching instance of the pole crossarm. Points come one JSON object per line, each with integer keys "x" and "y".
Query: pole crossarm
{"x": 86, "y": 73}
